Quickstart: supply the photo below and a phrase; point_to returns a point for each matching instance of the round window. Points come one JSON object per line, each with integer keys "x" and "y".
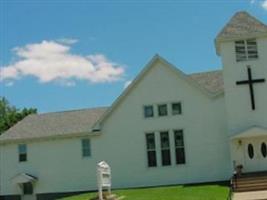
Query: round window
{"x": 250, "y": 151}
{"x": 264, "y": 149}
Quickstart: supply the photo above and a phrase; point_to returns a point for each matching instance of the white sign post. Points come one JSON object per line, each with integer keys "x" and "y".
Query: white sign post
{"x": 103, "y": 178}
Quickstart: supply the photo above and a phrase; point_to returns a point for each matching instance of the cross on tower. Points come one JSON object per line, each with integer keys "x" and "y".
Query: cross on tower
{"x": 251, "y": 82}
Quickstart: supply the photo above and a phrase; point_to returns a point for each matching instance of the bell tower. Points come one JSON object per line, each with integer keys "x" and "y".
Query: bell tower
{"x": 242, "y": 45}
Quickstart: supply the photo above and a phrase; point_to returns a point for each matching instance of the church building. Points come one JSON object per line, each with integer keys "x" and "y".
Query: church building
{"x": 167, "y": 127}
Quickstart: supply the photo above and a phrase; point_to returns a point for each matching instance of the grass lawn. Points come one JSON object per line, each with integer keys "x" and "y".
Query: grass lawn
{"x": 186, "y": 192}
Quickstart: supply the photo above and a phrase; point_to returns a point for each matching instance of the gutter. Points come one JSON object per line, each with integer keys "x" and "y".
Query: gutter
{"x": 92, "y": 133}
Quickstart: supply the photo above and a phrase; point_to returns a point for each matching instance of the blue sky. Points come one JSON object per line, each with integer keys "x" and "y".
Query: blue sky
{"x": 64, "y": 55}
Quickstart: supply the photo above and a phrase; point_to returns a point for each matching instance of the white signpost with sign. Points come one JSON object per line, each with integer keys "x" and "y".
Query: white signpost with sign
{"x": 103, "y": 178}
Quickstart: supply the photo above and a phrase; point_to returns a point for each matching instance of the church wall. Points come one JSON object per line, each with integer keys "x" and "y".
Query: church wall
{"x": 59, "y": 165}
{"x": 203, "y": 122}
{"x": 237, "y": 97}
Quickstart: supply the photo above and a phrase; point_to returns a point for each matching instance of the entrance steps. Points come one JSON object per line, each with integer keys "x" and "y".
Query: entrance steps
{"x": 250, "y": 182}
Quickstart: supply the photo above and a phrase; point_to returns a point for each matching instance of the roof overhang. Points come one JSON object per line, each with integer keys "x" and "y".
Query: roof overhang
{"x": 24, "y": 178}
{"x": 251, "y": 132}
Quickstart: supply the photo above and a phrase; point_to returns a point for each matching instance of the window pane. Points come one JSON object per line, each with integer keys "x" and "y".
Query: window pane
{"x": 148, "y": 111}
{"x": 162, "y": 110}
{"x": 150, "y": 141}
{"x": 22, "y": 157}
{"x": 180, "y": 156}
{"x": 178, "y": 138}
{"x": 179, "y": 146}
{"x": 86, "y": 148}
{"x": 152, "y": 160}
{"x": 165, "y": 148}
{"x": 250, "y": 151}
{"x": 166, "y": 157}
{"x": 264, "y": 149}
{"x": 22, "y": 148}
{"x": 176, "y": 108}
{"x": 151, "y": 150}
{"x": 164, "y": 137}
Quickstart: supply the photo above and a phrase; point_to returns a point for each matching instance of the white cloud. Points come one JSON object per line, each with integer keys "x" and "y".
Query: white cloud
{"x": 52, "y": 61}
{"x": 264, "y": 4}
{"x": 67, "y": 41}
{"x": 127, "y": 83}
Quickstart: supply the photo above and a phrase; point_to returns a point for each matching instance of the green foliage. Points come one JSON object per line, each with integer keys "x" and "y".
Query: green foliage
{"x": 10, "y": 115}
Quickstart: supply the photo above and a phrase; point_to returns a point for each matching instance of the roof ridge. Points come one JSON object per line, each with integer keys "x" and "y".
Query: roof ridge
{"x": 73, "y": 110}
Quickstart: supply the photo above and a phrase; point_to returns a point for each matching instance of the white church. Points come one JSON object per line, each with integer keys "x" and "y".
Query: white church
{"x": 167, "y": 127}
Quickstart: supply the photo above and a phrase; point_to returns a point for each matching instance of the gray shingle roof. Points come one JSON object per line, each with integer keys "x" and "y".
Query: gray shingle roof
{"x": 54, "y": 124}
{"x": 242, "y": 24}
{"x": 212, "y": 81}
{"x": 81, "y": 121}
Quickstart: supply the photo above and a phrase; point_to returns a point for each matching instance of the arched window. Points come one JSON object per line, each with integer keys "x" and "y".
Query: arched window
{"x": 250, "y": 151}
{"x": 263, "y": 149}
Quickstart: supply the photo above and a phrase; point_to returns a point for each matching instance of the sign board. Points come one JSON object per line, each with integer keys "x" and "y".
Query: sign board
{"x": 103, "y": 178}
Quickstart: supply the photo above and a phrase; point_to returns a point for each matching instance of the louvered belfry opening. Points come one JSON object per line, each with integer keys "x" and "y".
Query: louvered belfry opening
{"x": 246, "y": 50}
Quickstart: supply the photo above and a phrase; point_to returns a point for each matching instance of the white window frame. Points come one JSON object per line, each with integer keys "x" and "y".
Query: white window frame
{"x": 246, "y": 50}
{"x": 86, "y": 149}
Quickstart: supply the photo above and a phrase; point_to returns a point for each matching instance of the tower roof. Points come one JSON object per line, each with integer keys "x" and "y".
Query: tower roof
{"x": 241, "y": 25}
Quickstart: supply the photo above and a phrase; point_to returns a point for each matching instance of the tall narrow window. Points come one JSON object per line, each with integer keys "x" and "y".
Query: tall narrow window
{"x": 22, "y": 148}
{"x": 162, "y": 110}
{"x": 86, "y": 147}
{"x": 165, "y": 148}
{"x": 27, "y": 188}
{"x": 179, "y": 146}
{"x": 151, "y": 150}
{"x": 176, "y": 108}
{"x": 148, "y": 111}
{"x": 246, "y": 50}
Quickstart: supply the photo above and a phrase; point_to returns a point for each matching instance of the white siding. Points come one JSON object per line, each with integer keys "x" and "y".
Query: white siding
{"x": 59, "y": 165}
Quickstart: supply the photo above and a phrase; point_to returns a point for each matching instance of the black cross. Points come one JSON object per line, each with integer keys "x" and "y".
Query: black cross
{"x": 250, "y": 82}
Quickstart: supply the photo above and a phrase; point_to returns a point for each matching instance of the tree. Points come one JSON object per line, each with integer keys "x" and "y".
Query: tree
{"x": 10, "y": 115}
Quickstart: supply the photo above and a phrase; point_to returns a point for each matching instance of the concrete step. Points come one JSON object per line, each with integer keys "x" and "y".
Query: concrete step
{"x": 238, "y": 183}
{"x": 251, "y": 188}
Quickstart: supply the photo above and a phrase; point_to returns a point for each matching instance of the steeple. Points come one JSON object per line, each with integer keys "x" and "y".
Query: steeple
{"x": 241, "y": 26}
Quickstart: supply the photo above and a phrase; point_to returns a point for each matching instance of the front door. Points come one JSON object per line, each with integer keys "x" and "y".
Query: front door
{"x": 255, "y": 151}
{"x": 28, "y": 192}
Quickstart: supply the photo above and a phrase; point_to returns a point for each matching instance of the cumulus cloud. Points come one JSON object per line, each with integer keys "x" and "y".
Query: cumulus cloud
{"x": 67, "y": 41}
{"x": 52, "y": 61}
{"x": 264, "y": 4}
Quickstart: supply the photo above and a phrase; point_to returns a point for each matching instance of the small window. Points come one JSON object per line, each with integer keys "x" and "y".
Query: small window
{"x": 162, "y": 110}
{"x": 179, "y": 146}
{"x": 176, "y": 108}
{"x": 264, "y": 149}
{"x": 250, "y": 151}
{"x": 165, "y": 148}
{"x": 22, "y": 148}
{"x": 246, "y": 50}
{"x": 27, "y": 188}
{"x": 151, "y": 150}
{"x": 148, "y": 111}
{"x": 86, "y": 147}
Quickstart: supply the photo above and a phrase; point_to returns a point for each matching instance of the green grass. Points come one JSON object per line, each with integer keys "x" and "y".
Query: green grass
{"x": 186, "y": 192}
